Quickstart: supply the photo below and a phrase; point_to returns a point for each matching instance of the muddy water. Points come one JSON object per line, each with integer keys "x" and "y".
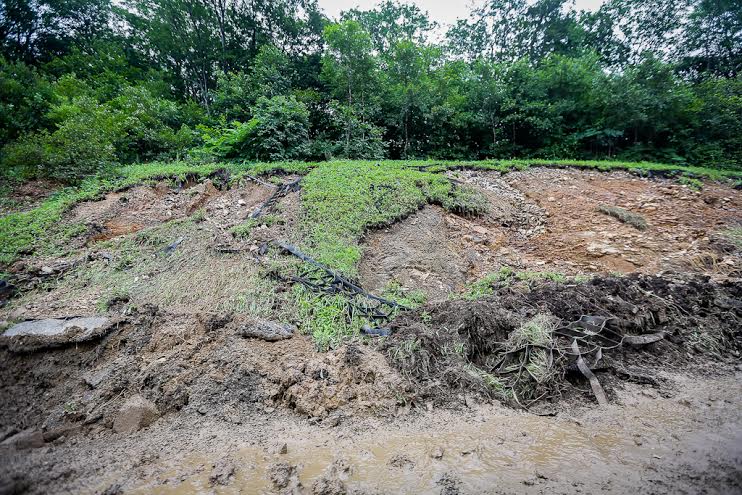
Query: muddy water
{"x": 610, "y": 449}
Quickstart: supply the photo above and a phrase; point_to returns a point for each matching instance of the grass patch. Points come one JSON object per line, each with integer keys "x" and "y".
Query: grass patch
{"x": 634, "y": 219}
{"x": 691, "y": 183}
{"x": 733, "y": 235}
{"x": 243, "y": 230}
{"x": 342, "y": 200}
{"x": 506, "y": 276}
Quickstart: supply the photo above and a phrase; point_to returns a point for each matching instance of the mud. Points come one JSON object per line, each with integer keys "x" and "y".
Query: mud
{"x": 549, "y": 220}
{"x": 27, "y": 195}
{"x": 687, "y": 441}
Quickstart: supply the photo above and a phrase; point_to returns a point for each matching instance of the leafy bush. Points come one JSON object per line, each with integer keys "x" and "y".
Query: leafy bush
{"x": 90, "y": 135}
{"x": 25, "y": 98}
{"x": 279, "y": 131}
{"x": 81, "y": 145}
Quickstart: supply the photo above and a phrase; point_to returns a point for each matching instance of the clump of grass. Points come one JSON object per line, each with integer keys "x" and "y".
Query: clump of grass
{"x": 691, "y": 183}
{"x": 733, "y": 235}
{"x": 535, "y": 370}
{"x": 506, "y": 276}
{"x": 634, "y": 219}
{"x": 243, "y": 230}
{"x": 326, "y": 318}
{"x": 410, "y": 298}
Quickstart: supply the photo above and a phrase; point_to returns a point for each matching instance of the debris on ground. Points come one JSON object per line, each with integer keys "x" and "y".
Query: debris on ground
{"x": 625, "y": 216}
{"x": 270, "y": 331}
{"x": 135, "y": 414}
{"x": 40, "y": 334}
{"x": 518, "y": 346}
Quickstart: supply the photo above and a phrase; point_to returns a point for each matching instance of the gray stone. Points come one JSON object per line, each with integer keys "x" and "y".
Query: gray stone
{"x": 41, "y": 334}
{"x": 54, "y": 327}
{"x": 27, "y": 439}
{"x": 136, "y": 413}
{"x": 267, "y": 330}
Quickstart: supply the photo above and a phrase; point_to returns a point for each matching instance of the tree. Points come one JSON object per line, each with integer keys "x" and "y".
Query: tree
{"x": 712, "y": 40}
{"x": 350, "y": 69}
{"x": 392, "y": 22}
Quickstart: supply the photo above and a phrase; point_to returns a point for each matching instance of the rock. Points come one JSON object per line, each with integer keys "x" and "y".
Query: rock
{"x": 241, "y": 202}
{"x": 135, "y": 414}
{"x": 284, "y": 476}
{"x": 222, "y": 472}
{"x": 437, "y": 453}
{"x": 329, "y": 486}
{"x": 40, "y": 334}
{"x": 279, "y": 448}
{"x": 401, "y": 461}
{"x": 26, "y": 439}
{"x": 54, "y": 327}
{"x": 450, "y": 484}
{"x": 267, "y": 330}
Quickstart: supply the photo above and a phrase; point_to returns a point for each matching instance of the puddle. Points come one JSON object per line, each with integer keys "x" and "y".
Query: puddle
{"x": 502, "y": 450}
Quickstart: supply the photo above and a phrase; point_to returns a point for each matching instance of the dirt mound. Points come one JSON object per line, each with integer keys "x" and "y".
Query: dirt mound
{"x": 419, "y": 252}
{"x": 467, "y": 344}
{"x": 193, "y": 365}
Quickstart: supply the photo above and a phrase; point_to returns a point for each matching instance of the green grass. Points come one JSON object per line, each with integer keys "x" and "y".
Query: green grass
{"x": 507, "y": 276}
{"x": 634, "y": 219}
{"x": 343, "y": 200}
{"x": 41, "y": 229}
{"x": 243, "y": 230}
{"x": 733, "y": 235}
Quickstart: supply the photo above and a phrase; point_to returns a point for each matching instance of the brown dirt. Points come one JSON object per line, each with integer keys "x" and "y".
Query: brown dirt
{"x": 27, "y": 195}
{"x": 548, "y": 220}
{"x": 129, "y": 211}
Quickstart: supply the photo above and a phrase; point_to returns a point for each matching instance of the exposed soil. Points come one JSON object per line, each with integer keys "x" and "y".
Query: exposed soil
{"x": 548, "y": 220}
{"x": 185, "y": 391}
{"x": 27, "y": 195}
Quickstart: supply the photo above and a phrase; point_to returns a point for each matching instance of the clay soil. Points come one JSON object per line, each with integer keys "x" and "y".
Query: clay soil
{"x": 548, "y": 220}
{"x": 230, "y": 414}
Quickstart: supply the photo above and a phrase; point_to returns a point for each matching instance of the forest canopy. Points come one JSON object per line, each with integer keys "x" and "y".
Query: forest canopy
{"x": 89, "y": 84}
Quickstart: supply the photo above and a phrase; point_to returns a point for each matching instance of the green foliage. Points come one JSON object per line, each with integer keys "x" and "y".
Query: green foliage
{"x": 243, "y": 230}
{"x": 325, "y": 318}
{"x": 279, "y": 131}
{"x": 506, "y": 276}
{"x": 694, "y": 184}
{"x": 25, "y": 98}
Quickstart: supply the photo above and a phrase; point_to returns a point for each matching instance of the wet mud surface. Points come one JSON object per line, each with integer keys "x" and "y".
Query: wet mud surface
{"x": 187, "y": 393}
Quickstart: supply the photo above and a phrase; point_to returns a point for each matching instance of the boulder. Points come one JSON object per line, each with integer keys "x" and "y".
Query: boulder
{"x": 26, "y": 439}
{"x": 136, "y": 413}
{"x": 267, "y": 330}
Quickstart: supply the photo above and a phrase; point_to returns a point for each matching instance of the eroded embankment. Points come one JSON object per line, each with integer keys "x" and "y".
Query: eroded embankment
{"x": 189, "y": 382}
{"x": 521, "y": 344}
{"x": 551, "y": 220}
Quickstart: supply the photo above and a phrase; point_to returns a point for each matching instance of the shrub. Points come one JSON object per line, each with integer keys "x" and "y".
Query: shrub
{"x": 279, "y": 131}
